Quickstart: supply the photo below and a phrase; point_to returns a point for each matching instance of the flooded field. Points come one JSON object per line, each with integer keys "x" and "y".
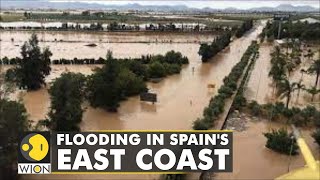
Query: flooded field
{"x": 308, "y": 80}
{"x": 182, "y": 98}
{"x": 262, "y": 162}
{"x": 60, "y": 42}
{"x": 261, "y": 88}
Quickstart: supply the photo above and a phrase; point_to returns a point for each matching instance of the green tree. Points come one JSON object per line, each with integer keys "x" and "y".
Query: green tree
{"x": 114, "y": 82}
{"x": 101, "y": 87}
{"x": 315, "y": 69}
{"x": 34, "y": 65}
{"x": 200, "y": 124}
{"x": 156, "y": 70}
{"x": 282, "y": 142}
{"x": 299, "y": 87}
{"x": 85, "y": 13}
{"x": 66, "y": 96}
{"x": 207, "y": 51}
{"x": 313, "y": 91}
{"x": 310, "y": 54}
{"x": 13, "y": 122}
{"x": 278, "y": 63}
{"x": 6, "y": 87}
{"x": 285, "y": 89}
{"x": 129, "y": 84}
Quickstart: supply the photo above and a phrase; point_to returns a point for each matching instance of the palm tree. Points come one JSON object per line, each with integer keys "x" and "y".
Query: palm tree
{"x": 299, "y": 86}
{"x": 310, "y": 54}
{"x": 290, "y": 67}
{"x": 302, "y": 71}
{"x": 313, "y": 91}
{"x": 315, "y": 69}
{"x": 285, "y": 89}
{"x": 278, "y": 63}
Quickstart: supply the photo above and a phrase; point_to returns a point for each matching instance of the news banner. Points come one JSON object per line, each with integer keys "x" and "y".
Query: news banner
{"x": 125, "y": 152}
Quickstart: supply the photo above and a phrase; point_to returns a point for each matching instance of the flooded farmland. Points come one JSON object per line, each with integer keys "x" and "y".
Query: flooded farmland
{"x": 262, "y": 89}
{"x": 263, "y": 162}
{"x": 182, "y": 98}
{"x": 60, "y": 42}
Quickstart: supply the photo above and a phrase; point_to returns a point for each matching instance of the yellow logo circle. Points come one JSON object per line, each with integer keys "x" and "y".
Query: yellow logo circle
{"x": 34, "y": 147}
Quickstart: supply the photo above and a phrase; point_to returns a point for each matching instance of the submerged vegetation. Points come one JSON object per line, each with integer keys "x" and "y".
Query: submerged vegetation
{"x": 282, "y": 142}
{"x": 115, "y": 81}
{"x": 67, "y": 94}
{"x": 112, "y": 83}
{"x": 217, "y": 103}
{"x": 34, "y": 65}
{"x": 278, "y": 111}
{"x": 208, "y": 51}
{"x": 246, "y": 25}
{"x": 118, "y": 79}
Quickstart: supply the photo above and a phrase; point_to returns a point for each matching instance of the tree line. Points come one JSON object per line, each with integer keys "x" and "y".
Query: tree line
{"x": 207, "y": 51}
{"x": 301, "y": 30}
{"x": 246, "y": 26}
{"x": 229, "y": 87}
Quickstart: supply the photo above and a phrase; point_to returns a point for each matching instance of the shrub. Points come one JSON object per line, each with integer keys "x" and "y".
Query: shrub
{"x": 255, "y": 108}
{"x": 225, "y": 90}
{"x": 316, "y": 136}
{"x": 239, "y": 101}
{"x": 199, "y": 124}
{"x": 280, "y": 141}
{"x": 156, "y": 70}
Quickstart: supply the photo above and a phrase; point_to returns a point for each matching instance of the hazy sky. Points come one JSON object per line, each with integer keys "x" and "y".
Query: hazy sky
{"x": 218, "y": 4}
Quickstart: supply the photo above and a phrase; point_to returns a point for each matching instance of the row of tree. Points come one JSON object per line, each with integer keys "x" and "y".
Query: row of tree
{"x": 207, "y": 51}
{"x": 217, "y": 103}
{"x": 246, "y": 26}
{"x": 280, "y": 140}
{"x": 145, "y": 59}
{"x": 301, "y": 30}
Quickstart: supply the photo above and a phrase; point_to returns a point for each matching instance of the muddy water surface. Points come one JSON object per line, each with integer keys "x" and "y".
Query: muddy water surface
{"x": 61, "y": 42}
{"x": 262, "y": 89}
{"x": 259, "y": 87}
{"x": 182, "y": 99}
{"x": 252, "y": 160}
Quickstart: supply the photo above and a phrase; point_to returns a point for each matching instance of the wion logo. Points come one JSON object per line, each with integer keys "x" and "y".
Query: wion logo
{"x": 34, "y": 153}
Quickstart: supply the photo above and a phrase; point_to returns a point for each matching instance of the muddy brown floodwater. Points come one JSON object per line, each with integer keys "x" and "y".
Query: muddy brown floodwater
{"x": 260, "y": 87}
{"x": 182, "y": 99}
{"x": 252, "y": 160}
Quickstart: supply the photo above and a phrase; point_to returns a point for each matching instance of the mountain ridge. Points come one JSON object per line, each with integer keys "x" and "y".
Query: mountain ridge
{"x": 136, "y": 6}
